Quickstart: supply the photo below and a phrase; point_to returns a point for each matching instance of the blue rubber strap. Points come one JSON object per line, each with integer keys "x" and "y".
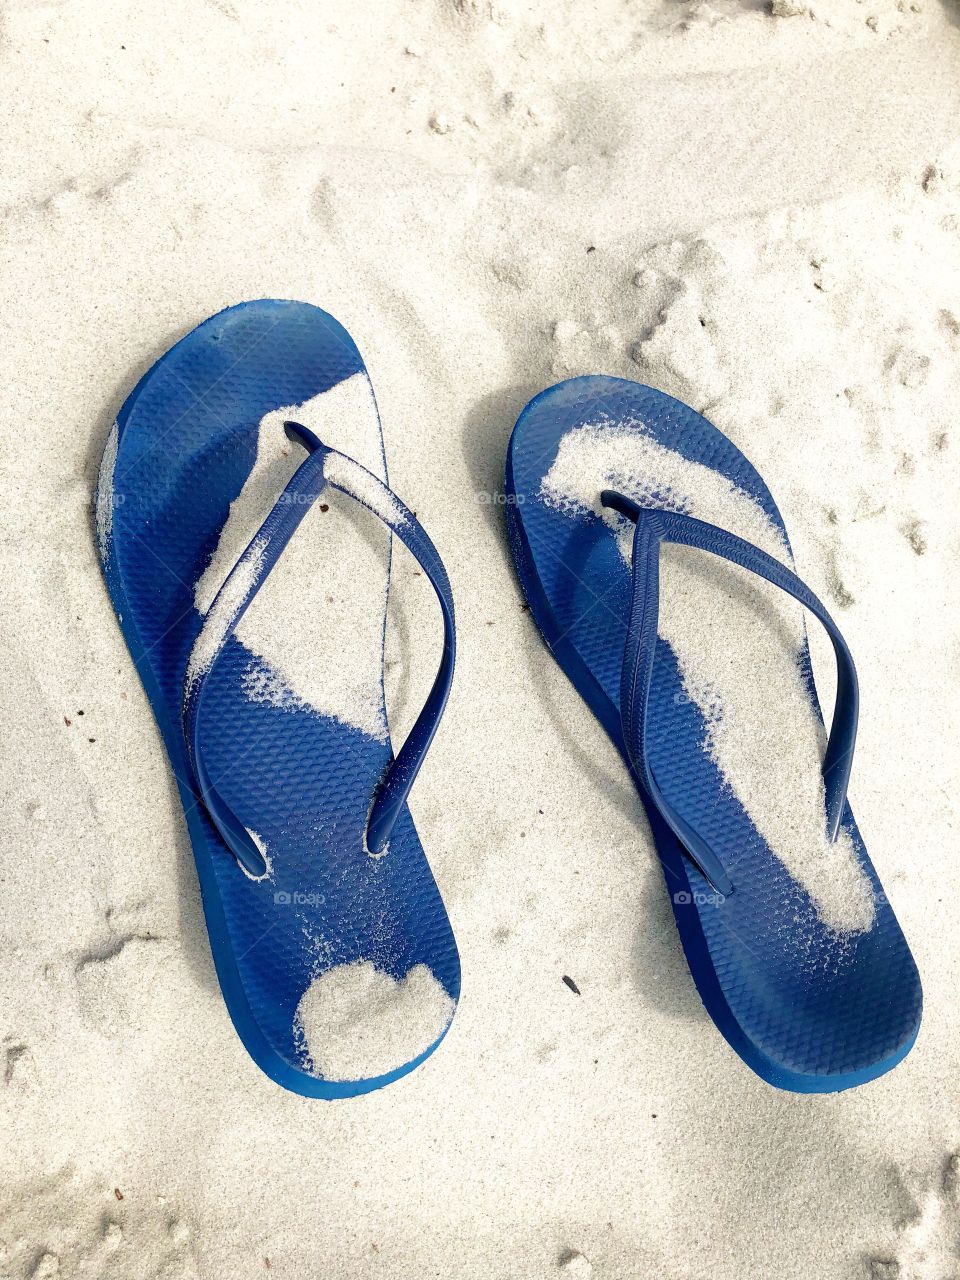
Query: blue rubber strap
{"x": 241, "y": 586}
{"x": 654, "y": 526}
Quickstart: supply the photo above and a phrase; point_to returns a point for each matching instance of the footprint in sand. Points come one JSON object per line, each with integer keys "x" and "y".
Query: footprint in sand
{"x": 18, "y": 1070}
{"x": 908, "y": 367}
{"x": 929, "y": 1243}
{"x": 576, "y": 347}
{"x": 913, "y": 530}
{"x": 573, "y": 1263}
{"x": 115, "y": 974}
{"x": 62, "y": 1225}
{"x": 677, "y": 349}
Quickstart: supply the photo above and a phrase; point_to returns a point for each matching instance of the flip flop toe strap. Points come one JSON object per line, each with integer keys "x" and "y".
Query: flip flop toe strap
{"x": 322, "y": 466}
{"x": 653, "y": 527}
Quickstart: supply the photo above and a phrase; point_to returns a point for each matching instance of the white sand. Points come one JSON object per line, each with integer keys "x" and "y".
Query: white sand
{"x": 347, "y": 474}
{"x": 357, "y": 1022}
{"x": 738, "y": 644}
{"x": 218, "y": 617}
{"x": 262, "y": 846}
{"x": 793, "y": 182}
{"x": 104, "y": 494}
{"x": 315, "y": 627}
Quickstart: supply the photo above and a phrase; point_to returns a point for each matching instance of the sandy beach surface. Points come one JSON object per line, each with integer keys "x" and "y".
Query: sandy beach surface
{"x": 755, "y": 209}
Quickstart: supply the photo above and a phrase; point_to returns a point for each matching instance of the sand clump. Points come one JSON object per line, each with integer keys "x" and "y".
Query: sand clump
{"x": 759, "y": 726}
{"x": 314, "y": 630}
{"x": 357, "y": 1022}
{"x": 219, "y": 617}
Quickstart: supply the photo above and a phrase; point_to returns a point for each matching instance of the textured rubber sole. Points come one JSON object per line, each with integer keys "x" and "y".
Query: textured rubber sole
{"x": 808, "y": 1008}
{"x": 184, "y": 444}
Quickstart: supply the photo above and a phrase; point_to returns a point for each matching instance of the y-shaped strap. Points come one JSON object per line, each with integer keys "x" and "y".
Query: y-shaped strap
{"x": 654, "y": 526}
{"x": 323, "y": 466}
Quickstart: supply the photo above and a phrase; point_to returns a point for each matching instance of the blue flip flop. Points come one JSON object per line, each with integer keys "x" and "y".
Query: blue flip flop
{"x": 643, "y": 540}
{"x": 244, "y": 525}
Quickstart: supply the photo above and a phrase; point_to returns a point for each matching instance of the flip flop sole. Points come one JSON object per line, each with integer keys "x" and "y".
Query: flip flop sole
{"x": 184, "y": 446}
{"x": 810, "y": 1007}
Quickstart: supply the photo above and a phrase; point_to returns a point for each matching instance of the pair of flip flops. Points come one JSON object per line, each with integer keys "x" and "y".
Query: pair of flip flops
{"x": 245, "y": 526}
